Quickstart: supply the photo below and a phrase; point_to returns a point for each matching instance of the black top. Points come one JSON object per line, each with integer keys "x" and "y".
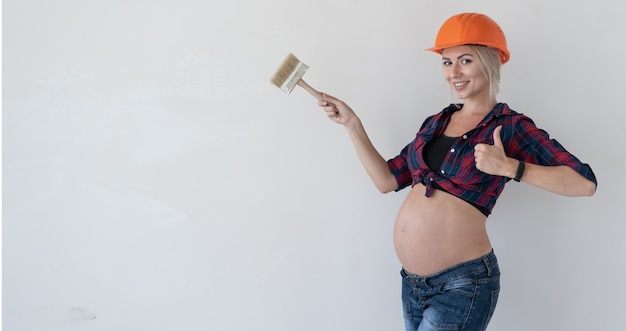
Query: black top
{"x": 434, "y": 153}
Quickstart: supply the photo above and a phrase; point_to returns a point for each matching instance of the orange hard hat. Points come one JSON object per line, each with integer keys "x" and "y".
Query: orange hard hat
{"x": 474, "y": 29}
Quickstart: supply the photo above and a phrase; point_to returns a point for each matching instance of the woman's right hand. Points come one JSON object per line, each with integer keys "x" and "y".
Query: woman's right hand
{"x": 337, "y": 110}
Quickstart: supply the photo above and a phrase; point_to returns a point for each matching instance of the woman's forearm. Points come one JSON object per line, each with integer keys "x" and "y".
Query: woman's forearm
{"x": 557, "y": 179}
{"x": 375, "y": 165}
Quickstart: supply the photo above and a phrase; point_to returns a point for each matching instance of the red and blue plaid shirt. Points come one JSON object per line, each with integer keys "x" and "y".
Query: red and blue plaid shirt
{"x": 458, "y": 175}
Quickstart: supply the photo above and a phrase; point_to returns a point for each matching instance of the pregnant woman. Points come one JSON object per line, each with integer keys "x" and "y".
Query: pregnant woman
{"x": 456, "y": 168}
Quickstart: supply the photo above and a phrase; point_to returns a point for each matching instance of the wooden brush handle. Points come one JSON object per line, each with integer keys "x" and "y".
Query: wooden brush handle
{"x": 309, "y": 89}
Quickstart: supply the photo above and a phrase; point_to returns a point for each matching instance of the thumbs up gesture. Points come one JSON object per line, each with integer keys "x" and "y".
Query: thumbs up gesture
{"x": 491, "y": 159}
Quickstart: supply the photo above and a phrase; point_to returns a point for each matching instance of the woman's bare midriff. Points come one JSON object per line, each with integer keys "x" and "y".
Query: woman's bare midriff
{"x": 437, "y": 232}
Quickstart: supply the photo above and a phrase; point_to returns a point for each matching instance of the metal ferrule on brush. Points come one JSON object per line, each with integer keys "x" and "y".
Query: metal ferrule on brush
{"x": 293, "y": 79}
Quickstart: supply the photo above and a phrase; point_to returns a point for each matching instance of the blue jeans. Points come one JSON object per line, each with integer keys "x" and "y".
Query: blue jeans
{"x": 462, "y": 297}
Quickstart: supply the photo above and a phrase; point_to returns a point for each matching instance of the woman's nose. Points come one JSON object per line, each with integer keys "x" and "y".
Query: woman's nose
{"x": 455, "y": 71}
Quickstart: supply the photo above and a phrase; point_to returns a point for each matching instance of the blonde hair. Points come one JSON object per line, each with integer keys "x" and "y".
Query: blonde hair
{"x": 489, "y": 58}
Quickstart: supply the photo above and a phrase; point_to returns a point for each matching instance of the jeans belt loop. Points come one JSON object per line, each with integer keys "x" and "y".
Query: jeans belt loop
{"x": 488, "y": 265}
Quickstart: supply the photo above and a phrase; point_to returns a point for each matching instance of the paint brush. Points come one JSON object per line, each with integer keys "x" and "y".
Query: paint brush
{"x": 290, "y": 73}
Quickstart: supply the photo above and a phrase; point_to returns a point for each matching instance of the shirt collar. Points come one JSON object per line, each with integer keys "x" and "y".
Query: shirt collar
{"x": 499, "y": 109}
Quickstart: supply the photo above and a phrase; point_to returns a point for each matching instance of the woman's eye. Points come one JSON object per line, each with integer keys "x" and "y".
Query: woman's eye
{"x": 447, "y": 63}
{"x": 466, "y": 61}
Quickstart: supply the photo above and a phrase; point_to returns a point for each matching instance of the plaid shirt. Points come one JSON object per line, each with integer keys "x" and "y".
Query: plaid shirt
{"x": 458, "y": 175}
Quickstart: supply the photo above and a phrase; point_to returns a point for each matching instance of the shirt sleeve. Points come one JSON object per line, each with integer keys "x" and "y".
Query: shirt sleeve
{"x": 399, "y": 165}
{"x": 534, "y": 145}
{"x": 400, "y": 169}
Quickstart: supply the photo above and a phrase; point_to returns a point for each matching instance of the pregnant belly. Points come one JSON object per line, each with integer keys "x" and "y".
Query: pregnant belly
{"x": 437, "y": 232}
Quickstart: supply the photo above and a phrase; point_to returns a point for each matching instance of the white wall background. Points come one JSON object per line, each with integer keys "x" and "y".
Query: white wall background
{"x": 153, "y": 179}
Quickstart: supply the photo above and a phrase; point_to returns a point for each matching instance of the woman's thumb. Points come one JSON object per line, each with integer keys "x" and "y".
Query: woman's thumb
{"x": 497, "y": 140}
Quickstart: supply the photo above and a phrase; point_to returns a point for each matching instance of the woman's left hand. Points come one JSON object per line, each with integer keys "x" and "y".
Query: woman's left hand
{"x": 492, "y": 160}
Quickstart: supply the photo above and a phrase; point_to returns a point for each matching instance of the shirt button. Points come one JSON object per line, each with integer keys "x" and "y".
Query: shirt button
{"x": 452, "y": 150}
{"x": 431, "y": 179}
{"x": 464, "y": 136}
{"x": 443, "y": 172}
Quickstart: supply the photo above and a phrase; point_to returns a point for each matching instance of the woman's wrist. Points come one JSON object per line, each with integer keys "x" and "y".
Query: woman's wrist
{"x": 519, "y": 172}
{"x": 355, "y": 128}
{"x": 512, "y": 166}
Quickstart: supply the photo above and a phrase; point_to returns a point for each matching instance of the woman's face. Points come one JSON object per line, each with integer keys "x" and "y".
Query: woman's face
{"x": 464, "y": 73}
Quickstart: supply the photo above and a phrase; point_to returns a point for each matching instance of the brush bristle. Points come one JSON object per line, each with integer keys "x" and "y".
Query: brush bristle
{"x": 284, "y": 71}
{"x": 289, "y": 73}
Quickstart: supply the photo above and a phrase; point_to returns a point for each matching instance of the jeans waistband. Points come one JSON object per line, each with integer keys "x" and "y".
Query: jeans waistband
{"x": 487, "y": 263}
